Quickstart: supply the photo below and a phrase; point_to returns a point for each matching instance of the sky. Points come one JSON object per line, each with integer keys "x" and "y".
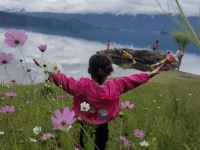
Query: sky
{"x": 117, "y": 7}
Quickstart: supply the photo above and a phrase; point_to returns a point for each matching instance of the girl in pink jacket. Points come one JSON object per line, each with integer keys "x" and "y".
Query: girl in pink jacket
{"x": 102, "y": 97}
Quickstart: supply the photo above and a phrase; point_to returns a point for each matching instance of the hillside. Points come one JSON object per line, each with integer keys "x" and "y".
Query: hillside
{"x": 166, "y": 110}
{"x": 13, "y": 20}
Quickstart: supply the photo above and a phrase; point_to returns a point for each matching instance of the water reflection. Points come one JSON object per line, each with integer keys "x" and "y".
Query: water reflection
{"x": 72, "y": 53}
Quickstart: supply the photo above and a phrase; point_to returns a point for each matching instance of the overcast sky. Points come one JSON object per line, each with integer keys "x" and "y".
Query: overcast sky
{"x": 191, "y": 7}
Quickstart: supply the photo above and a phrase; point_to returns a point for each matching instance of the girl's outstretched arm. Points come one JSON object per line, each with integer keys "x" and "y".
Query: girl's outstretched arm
{"x": 129, "y": 82}
{"x": 68, "y": 84}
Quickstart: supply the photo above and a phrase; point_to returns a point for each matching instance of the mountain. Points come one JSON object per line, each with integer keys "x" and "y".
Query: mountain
{"x": 8, "y": 19}
{"x": 138, "y": 31}
{"x": 151, "y": 22}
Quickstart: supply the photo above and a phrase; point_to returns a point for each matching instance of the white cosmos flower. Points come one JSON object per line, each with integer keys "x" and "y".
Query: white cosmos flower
{"x": 37, "y": 130}
{"x": 85, "y": 106}
{"x": 49, "y": 67}
{"x": 1, "y": 133}
{"x": 33, "y": 140}
{"x": 144, "y": 143}
{"x": 53, "y": 67}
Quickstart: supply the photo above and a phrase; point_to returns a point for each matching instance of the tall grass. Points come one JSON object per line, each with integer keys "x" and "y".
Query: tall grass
{"x": 167, "y": 109}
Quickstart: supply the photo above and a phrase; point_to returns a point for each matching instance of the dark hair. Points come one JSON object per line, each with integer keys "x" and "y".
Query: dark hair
{"x": 100, "y": 66}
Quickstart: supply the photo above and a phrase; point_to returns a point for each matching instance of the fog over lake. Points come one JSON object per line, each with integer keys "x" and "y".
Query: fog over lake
{"x": 72, "y": 54}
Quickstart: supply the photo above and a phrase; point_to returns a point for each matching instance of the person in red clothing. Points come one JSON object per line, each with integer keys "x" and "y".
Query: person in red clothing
{"x": 102, "y": 96}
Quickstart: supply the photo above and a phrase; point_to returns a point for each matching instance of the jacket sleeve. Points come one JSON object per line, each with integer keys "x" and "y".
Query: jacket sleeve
{"x": 68, "y": 84}
{"x": 129, "y": 82}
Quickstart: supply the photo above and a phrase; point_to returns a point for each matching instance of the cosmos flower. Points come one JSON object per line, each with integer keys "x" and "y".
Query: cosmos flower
{"x": 76, "y": 148}
{"x": 144, "y": 143}
{"x": 138, "y": 133}
{"x": 47, "y": 136}
{"x": 42, "y": 47}
{"x": 126, "y": 143}
{"x": 48, "y": 67}
{"x": 85, "y": 106}
{"x": 128, "y": 105}
{"x": 5, "y": 58}
{"x": 10, "y": 94}
{"x": 15, "y": 38}
{"x": 53, "y": 67}
{"x": 63, "y": 119}
{"x": 37, "y": 130}
{"x": 7, "y": 109}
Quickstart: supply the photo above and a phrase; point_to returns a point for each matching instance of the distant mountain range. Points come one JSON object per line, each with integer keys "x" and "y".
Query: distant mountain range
{"x": 139, "y": 30}
{"x": 8, "y": 19}
{"x": 141, "y": 22}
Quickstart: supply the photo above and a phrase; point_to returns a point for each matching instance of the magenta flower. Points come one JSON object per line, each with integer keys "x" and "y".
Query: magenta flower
{"x": 15, "y": 38}
{"x": 7, "y": 109}
{"x": 126, "y": 143}
{"x": 42, "y": 48}
{"x": 47, "y": 136}
{"x": 128, "y": 105}
{"x": 10, "y": 94}
{"x": 63, "y": 119}
{"x": 138, "y": 133}
{"x": 5, "y": 58}
{"x": 76, "y": 148}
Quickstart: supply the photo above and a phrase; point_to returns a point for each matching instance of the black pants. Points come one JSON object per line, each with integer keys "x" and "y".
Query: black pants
{"x": 101, "y": 136}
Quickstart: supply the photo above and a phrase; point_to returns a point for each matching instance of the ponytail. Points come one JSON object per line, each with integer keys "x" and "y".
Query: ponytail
{"x": 100, "y": 66}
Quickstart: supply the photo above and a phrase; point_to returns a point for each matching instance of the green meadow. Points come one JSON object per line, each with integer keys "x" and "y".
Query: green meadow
{"x": 167, "y": 110}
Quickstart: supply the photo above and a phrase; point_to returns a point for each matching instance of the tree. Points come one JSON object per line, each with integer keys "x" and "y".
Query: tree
{"x": 182, "y": 40}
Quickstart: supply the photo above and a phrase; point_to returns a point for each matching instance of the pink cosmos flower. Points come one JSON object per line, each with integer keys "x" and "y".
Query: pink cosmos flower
{"x": 5, "y": 58}
{"x": 128, "y": 105}
{"x": 138, "y": 133}
{"x": 7, "y": 109}
{"x": 47, "y": 136}
{"x": 42, "y": 48}
{"x": 126, "y": 143}
{"x": 63, "y": 119}
{"x": 15, "y": 38}
{"x": 10, "y": 94}
{"x": 76, "y": 148}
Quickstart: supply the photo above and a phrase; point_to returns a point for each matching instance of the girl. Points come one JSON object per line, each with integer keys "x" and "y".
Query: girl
{"x": 102, "y": 96}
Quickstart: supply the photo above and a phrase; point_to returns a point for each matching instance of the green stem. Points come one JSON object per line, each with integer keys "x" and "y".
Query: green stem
{"x": 89, "y": 138}
{"x": 6, "y": 72}
{"x": 25, "y": 62}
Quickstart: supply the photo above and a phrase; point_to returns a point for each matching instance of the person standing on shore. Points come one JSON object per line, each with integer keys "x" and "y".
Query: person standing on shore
{"x": 108, "y": 44}
{"x": 155, "y": 45}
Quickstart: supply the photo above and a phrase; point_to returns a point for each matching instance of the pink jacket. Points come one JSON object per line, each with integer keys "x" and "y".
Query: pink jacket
{"x": 104, "y": 100}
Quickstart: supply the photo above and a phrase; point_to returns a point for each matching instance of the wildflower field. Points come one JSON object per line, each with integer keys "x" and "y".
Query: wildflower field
{"x": 164, "y": 115}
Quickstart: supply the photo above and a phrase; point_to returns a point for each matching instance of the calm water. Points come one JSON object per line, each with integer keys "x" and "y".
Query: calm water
{"x": 73, "y": 52}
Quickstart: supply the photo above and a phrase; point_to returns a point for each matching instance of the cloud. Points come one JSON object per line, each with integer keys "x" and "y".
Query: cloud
{"x": 133, "y": 7}
{"x": 72, "y": 53}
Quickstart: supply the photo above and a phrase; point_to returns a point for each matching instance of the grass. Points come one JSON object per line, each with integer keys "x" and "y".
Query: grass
{"x": 167, "y": 110}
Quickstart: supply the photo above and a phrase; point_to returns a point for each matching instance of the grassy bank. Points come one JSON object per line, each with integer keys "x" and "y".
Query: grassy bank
{"x": 167, "y": 110}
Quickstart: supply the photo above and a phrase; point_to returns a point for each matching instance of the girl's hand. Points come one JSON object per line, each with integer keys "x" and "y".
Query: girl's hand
{"x": 156, "y": 71}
